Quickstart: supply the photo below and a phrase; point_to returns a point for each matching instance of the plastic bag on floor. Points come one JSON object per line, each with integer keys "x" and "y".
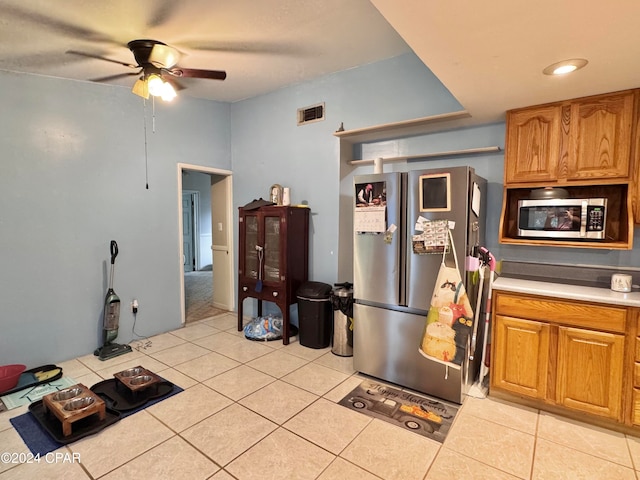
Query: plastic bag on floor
{"x": 264, "y": 328}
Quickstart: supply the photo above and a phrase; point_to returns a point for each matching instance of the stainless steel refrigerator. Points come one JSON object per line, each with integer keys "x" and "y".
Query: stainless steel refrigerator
{"x": 395, "y": 269}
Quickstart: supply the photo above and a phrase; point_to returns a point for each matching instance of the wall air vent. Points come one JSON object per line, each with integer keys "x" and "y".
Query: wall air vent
{"x": 314, "y": 113}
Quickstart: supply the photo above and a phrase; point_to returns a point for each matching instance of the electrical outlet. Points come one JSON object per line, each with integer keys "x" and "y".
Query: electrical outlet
{"x": 134, "y": 306}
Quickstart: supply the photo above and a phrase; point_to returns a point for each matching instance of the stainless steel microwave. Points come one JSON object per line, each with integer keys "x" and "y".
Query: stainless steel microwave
{"x": 566, "y": 218}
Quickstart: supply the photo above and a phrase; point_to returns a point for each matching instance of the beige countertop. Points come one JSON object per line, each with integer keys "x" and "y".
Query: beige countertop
{"x": 568, "y": 292}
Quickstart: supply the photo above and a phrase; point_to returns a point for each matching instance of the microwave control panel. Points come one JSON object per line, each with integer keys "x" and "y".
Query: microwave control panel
{"x": 595, "y": 218}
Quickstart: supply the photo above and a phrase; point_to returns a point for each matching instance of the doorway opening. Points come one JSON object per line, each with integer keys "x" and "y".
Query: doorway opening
{"x": 206, "y": 240}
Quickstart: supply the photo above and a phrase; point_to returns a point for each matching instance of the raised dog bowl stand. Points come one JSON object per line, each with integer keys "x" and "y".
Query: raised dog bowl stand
{"x": 137, "y": 379}
{"x": 73, "y": 404}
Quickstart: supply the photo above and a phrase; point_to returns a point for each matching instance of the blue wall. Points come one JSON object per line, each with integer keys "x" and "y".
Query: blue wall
{"x": 73, "y": 178}
{"x": 73, "y": 174}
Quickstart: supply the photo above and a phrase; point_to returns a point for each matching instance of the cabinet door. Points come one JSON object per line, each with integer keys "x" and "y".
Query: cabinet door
{"x": 520, "y": 356}
{"x": 249, "y": 267}
{"x": 600, "y": 137}
{"x": 590, "y": 371}
{"x": 533, "y": 144}
{"x": 272, "y": 249}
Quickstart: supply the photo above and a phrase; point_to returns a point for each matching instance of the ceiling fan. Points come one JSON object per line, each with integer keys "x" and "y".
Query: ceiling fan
{"x": 157, "y": 67}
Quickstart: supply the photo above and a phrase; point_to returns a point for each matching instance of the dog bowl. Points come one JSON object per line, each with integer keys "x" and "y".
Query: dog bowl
{"x": 132, "y": 372}
{"x": 67, "y": 394}
{"x": 9, "y": 376}
{"x": 141, "y": 380}
{"x": 79, "y": 403}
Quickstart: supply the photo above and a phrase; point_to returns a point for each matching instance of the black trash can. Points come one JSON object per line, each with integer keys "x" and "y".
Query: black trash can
{"x": 342, "y": 300}
{"x": 314, "y": 314}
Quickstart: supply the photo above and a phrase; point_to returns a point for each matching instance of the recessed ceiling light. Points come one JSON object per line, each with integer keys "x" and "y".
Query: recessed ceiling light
{"x": 565, "y": 66}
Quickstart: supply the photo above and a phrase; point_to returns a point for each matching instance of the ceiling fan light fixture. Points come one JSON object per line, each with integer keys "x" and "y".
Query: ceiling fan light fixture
{"x": 565, "y": 66}
{"x": 141, "y": 88}
{"x": 168, "y": 92}
{"x": 163, "y": 56}
{"x": 155, "y": 84}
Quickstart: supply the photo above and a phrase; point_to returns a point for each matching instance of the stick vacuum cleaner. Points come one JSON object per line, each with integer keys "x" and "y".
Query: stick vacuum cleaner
{"x": 111, "y": 318}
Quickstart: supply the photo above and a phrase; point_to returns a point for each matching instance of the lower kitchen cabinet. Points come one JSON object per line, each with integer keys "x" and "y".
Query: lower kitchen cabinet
{"x": 521, "y": 362}
{"x": 590, "y": 366}
{"x": 557, "y": 353}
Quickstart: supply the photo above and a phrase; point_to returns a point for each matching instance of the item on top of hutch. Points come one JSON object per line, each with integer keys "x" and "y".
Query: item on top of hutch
{"x": 281, "y": 235}
{"x": 275, "y": 194}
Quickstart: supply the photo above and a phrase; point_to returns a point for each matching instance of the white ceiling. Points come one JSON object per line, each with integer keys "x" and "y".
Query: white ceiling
{"x": 489, "y": 55}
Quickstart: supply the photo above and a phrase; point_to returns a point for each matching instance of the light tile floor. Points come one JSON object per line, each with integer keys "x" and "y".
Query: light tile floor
{"x": 254, "y": 410}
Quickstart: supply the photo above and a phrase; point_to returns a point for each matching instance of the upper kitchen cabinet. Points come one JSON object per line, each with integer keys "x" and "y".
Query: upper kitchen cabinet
{"x": 582, "y": 141}
{"x": 532, "y": 147}
{"x": 600, "y": 133}
{"x": 589, "y": 147}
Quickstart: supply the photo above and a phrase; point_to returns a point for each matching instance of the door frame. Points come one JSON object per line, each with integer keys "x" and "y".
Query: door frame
{"x": 229, "y": 217}
{"x": 195, "y": 226}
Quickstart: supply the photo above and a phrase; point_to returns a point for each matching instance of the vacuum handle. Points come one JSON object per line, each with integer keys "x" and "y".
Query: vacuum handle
{"x": 114, "y": 251}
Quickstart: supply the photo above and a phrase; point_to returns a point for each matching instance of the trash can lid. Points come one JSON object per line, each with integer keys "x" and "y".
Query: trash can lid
{"x": 314, "y": 290}
{"x": 342, "y": 292}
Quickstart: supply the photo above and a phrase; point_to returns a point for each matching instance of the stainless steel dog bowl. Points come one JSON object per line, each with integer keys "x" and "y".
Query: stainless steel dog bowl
{"x": 141, "y": 380}
{"x": 132, "y": 372}
{"x": 79, "y": 403}
{"x": 67, "y": 394}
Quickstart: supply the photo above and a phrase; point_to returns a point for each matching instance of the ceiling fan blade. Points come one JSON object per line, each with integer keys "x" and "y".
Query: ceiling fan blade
{"x": 260, "y": 47}
{"x": 163, "y": 12}
{"x": 55, "y": 24}
{"x": 195, "y": 73}
{"x": 114, "y": 77}
{"x": 98, "y": 57}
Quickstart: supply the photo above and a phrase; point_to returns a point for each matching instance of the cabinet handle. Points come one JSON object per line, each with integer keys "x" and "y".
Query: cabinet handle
{"x": 275, "y": 294}
{"x": 244, "y": 289}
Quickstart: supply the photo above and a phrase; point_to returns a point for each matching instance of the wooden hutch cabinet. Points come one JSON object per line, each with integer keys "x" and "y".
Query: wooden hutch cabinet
{"x": 273, "y": 257}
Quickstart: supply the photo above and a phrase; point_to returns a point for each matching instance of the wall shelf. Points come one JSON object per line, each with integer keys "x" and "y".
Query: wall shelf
{"x": 426, "y": 156}
{"x": 417, "y": 126}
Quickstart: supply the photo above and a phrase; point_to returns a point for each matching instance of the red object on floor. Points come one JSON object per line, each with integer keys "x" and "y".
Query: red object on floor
{"x": 9, "y": 376}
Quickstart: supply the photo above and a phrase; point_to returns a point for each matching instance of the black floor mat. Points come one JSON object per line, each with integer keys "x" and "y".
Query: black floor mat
{"x": 121, "y": 399}
{"x": 79, "y": 429}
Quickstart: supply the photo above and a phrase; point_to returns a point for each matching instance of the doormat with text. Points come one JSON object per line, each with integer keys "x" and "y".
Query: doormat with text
{"x": 424, "y": 415}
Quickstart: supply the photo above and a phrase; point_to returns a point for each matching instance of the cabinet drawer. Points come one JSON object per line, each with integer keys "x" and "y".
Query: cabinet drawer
{"x": 636, "y": 375}
{"x": 597, "y": 317}
{"x": 637, "y": 349}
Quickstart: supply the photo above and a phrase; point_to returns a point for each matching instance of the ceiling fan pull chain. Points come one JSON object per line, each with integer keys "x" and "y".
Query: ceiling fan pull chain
{"x": 153, "y": 116}
{"x": 146, "y": 163}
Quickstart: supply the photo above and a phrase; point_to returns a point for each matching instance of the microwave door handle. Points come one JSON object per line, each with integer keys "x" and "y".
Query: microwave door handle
{"x": 583, "y": 219}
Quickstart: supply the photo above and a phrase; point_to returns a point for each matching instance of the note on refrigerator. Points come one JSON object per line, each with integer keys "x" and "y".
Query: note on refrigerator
{"x": 475, "y": 199}
{"x": 370, "y": 219}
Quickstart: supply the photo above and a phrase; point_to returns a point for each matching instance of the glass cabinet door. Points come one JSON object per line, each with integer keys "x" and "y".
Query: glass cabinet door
{"x": 250, "y": 243}
{"x": 272, "y": 249}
